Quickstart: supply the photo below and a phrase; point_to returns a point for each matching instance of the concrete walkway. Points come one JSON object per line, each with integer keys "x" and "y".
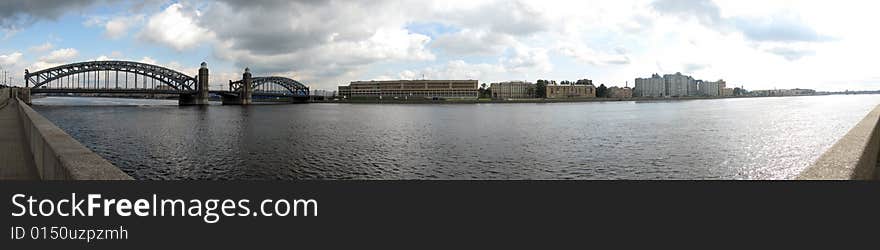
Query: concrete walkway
{"x": 16, "y": 162}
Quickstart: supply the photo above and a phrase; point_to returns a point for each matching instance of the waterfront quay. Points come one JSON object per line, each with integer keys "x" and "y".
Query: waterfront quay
{"x": 525, "y": 100}
{"x": 33, "y": 148}
{"x": 853, "y": 157}
{"x": 16, "y": 160}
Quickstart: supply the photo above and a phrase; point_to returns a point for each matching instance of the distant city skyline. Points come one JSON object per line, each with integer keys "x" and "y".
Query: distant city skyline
{"x": 822, "y": 45}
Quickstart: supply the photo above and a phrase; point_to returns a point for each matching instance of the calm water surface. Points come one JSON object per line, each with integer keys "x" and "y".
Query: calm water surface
{"x": 749, "y": 138}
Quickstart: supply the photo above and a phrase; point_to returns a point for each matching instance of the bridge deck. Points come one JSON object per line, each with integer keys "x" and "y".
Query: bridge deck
{"x": 148, "y": 91}
{"x": 16, "y": 162}
{"x": 110, "y": 91}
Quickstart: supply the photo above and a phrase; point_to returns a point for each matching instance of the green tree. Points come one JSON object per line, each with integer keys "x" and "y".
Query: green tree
{"x": 584, "y": 82}
{"x": 484, "y": 91}
{"x": 541, "y": 89}
{"x": 602, "y": 91}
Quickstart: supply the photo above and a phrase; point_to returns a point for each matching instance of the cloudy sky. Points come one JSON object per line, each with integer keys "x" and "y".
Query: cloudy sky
{"x": 825, "y": 45}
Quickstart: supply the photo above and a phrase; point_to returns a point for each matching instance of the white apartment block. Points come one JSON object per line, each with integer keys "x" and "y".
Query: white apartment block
{"x": 677, "y": 85}
{"x": 680, "y": 85}
{"x": 716, "y": 88}
{"x": 650, "y": 87}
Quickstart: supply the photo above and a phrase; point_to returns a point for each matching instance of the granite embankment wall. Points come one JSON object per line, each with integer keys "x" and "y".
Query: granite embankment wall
{"x": 58, "y": 156}
{"x": 853, "y": 157}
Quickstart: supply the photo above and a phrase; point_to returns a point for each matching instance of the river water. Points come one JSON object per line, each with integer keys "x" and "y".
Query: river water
{"x": 744, "y": 138}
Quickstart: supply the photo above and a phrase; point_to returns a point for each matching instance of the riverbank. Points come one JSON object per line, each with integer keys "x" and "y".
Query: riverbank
{"x": 532, "y": 100}
{"x": 467, "y": 101}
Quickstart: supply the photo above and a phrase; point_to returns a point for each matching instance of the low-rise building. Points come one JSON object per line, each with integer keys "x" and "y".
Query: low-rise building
{"x": 782, "y": 92}
{"x": 620, "y": 93}
{"x": 411, "y": 89}
{"x": 570, "y": 91}
{"x": 512, "y": 90}
{"x": 727, "y": 92}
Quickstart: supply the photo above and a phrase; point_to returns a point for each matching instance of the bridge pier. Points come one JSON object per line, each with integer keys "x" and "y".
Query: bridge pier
{"x": 233, "y": 100}
{"x": 295, "y": 99}
{"x": 201, "y": 96}
{"x": 191, "y": 100}
{"x": 244, "y": 95}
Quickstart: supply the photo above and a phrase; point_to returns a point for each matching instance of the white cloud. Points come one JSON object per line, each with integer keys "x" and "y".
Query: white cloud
{"x": 118, "y": 27}
{"x": 523, "y": 64}
{"x": 517, "y": 17}
{"x": 322, "y": 42}
{"x": 587, "y": 55}
{"x": 776, "y": 27}
{"x": 41, "y": 48}
{"x": 175, "y": 27}
{"x": 456, "y": 69}
{"x": 10, "y": 59}
{"x": 115, "y": 55}
{"x": 528, "y": 60}
{"x": 473, "y": 42}
{"x": 335, "y": 42}
{"x": 55, "y": 58}
{"x": 60, "y": 55}
{"x": 148, "y": 60}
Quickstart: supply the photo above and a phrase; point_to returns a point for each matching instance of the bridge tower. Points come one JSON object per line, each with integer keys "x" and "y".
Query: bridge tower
{"x": 201, "y": 96}
{"x": 25, "y": 93}
{"x": 247, "y": 90}
{"x": 203, "y": 83}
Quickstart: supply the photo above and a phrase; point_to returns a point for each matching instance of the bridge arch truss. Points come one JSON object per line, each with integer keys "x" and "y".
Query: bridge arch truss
{"x": 176, "y": 80}
{"x": 274, "y": 85}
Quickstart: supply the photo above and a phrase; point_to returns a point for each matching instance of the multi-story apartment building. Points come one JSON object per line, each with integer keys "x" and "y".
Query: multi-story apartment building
{"x": 677, "y": 85}
{"x": 514, "y": 89}
{"x": 411, "y": 89}
{"x": 650, "y": 87}
{"x": 680, "y": 85}
{"x": 708, "y": 88}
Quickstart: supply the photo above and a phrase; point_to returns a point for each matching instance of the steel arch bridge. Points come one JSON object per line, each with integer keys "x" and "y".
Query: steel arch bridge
{"x": 177, "y": 82}
{"x": 273, "y": 86}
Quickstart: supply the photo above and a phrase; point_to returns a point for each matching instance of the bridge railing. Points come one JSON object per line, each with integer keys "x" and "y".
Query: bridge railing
{"x": 58, "y": 156}
{"x": 853, "y": 157}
